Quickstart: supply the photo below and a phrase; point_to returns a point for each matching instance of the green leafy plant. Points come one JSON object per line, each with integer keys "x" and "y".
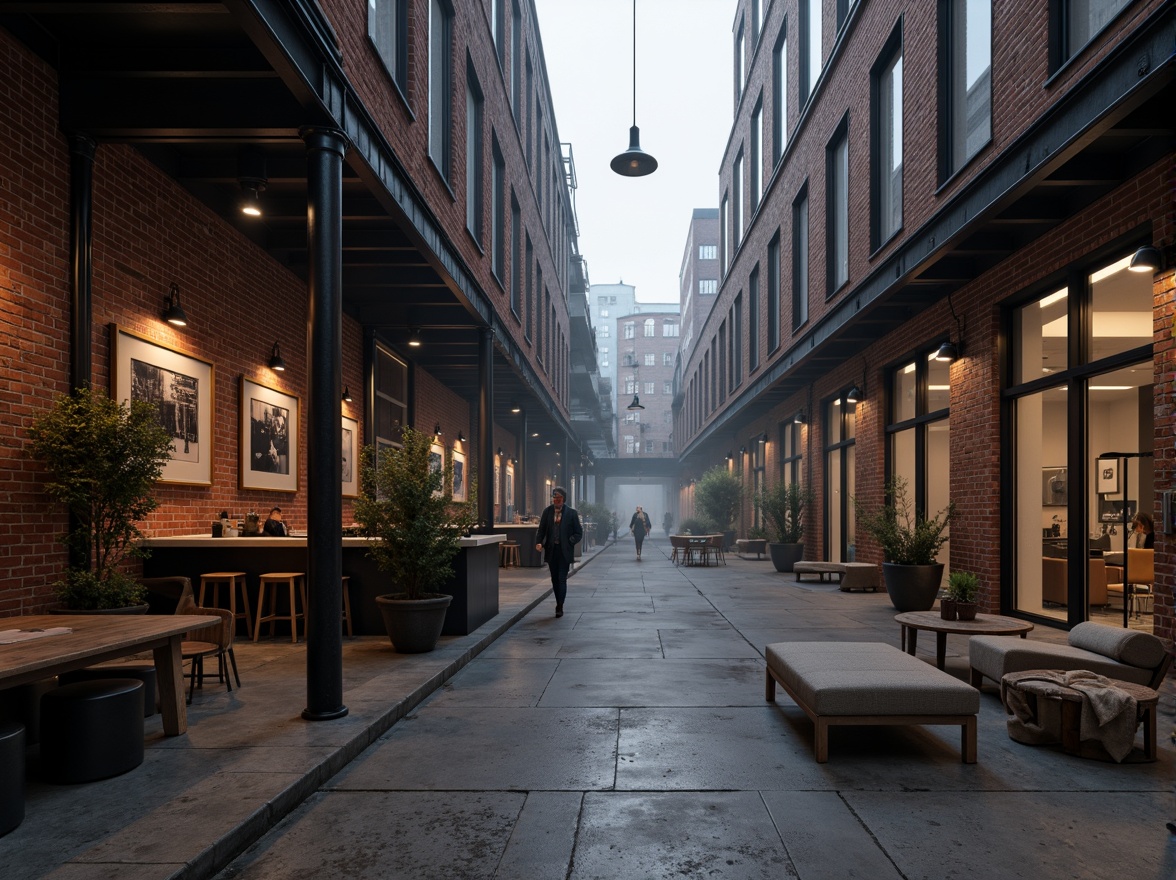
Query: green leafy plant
{"x": 606, "y": 522}
{"x": 757, "y": 533}
{"x": 695, "y": 525}
{"x": 103, "y": 459}
{"x": 906, "y": 535}
{"x": 717, "y": 496}
{"x": 406, "y": 507}
{"x": 963, "y": 586}
{"x": 783, "y": 506}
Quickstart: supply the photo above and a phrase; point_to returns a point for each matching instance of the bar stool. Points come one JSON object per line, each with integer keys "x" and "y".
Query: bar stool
{"x": 92, "y": 730}
{"x": 296, "y": 581}
{"x": 234, "y": 580}
{"x": 509, "y": 553}
{"x": 347, "y": 604}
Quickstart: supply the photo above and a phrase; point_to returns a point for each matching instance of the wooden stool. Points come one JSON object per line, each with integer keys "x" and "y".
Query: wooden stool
{"x": 296, "y": 580}
{"x": 347, "y": 605}
{"x": 234, "y": 580}
{"x": 509, "y": 554}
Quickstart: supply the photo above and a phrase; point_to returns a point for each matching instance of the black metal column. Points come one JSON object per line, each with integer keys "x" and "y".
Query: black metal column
{"x": 523, "y": 462}
{"x": 486, "y": 428}
{"x": 324, "y": 474}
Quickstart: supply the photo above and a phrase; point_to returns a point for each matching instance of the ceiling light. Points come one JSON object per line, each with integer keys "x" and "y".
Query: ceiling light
{"x": 515, "y": 407}
{"x": 414, "y": 338}
{"x": 635, "y": 405}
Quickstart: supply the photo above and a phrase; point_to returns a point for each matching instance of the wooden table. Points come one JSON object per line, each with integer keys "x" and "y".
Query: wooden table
{"x": 984, "y": 624}
{"x": 97, "y": 638}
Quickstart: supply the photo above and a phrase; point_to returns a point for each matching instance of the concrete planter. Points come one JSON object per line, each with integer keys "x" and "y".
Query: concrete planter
{"x": 784, "y": 556}
{"x": 912, "y": 587}
{"x": 413, "y": 625}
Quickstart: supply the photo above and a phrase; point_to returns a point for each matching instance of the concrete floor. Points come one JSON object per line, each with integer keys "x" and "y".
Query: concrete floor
{"x": 628, "y": 739}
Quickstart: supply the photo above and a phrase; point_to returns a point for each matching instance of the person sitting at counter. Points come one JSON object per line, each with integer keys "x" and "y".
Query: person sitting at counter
{"x": 274, "y": 527}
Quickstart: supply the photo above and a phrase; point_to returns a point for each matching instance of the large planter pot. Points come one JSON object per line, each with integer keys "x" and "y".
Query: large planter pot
{"x": 912, "y": 587}
{"x": 784, "y": 556}
{"x": 413, "y": 625}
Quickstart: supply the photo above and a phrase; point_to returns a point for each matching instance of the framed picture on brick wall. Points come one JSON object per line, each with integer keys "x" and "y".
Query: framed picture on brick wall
{"x": 269, "y": 438}
{"x": 179, "y": 387}
{"x": 350, "y": 458}
{"x": 459, "y": 476}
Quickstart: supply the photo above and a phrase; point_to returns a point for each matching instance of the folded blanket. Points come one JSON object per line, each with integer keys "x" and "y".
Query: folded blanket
{"x": 11, "y": 636}
{"x": 1109, "y": 714}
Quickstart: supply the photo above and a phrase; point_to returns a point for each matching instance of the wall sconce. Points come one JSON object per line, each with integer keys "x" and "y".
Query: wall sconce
{"x": 536, "y": 434}
{"x": 437, "y": 430}
{"x": 500, "y": 452}
{"x": 798, "y": 419}
{"x": 949, "y": 350}
{"x": 414, "y": 338}
{"x": 460, "y": 437}
{"x": 275, "y": 362}
{"x": 635, "y": 405}
{"x": 730, "y": 455}
{"x": 346, "y": 395}
{"x": 1147, "y": 259}
{"x": 634, "y": 162}
{"x": 173, "y": 313}
{"x": 854, "y": 394}
{"x": 743, "y": 450}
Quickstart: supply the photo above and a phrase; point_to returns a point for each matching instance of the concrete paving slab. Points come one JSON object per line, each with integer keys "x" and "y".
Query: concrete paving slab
{"x": 471, "y": 749}
{"x": 825, "y": 839}
{"x": 655, "y": 683}
{"x": 726, "y": 835}
{"x": 681, "y": 644}
{"x": 544, "y": 837}
{"x": 513, "y": 683}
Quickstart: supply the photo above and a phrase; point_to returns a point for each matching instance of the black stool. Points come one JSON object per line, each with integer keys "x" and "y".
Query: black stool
{"x": 144, "y": 673}
{"x": 12, "y": 776}
{"x": 22, "y": 704}
{"x": 92, "y": 730}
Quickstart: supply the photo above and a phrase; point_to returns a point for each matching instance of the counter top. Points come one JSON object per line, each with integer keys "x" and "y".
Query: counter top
{"x": 300, "y": 541}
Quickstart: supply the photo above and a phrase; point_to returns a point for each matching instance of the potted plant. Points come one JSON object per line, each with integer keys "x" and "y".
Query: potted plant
{"x": 910, "y": 542}
{"x": 103, "y": 459}
{"x": 406, "y": 508}
{"x": 783, "y": 506}
{"x": 962, "y": 587}
{"x": 717, "y": 496}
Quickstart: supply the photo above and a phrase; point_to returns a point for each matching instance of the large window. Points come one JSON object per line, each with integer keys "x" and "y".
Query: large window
{"x": 498, "y": 211}
{"x": 753, "y": 319}
{"x": 965, "y": 76}
{"x": 516, "y": 57}
{"x": 724, "y": 234}
{"x": 708, "y": 252}
{"x": 756, "y": 158}
{"x": 737, "y": 203}
{"x": 1074, "y": 23}
{"x": 474, "y": 178}
{"x": 780, "y": 94}
{"x": 648, "y": 327}
{"x": 516, "y": 245}
{"x": 737, "y": 343}
{"x": 529, "y": 290}
{"x": 391, "y": 397}
{"x": 800, "y": 259}
{"x": 1081, "y": 361}
{"x": 708, "y": 285}
{"x": 738, "y": 58}
{"x": 840, "y": 487}
{"x": 440, "y": 84}
{"x": 837, "y": 209}
{"x": 810, "y": 47}
{"x": 773, "y": 292}
{"x": 886, "y": 142}
{"x": 388, "y": 31}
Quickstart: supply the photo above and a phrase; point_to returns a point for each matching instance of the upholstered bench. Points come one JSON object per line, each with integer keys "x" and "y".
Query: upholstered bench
{"x": 758, "y": 546}
{"x": 1123, "y": 654}
{"x": 843, "y": 683}
{"x": 850, "y": 575}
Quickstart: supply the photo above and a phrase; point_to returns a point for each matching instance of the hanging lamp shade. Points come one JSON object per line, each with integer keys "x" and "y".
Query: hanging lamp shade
{"x": 634, "y": 162}
{"x": 635, "y": 405}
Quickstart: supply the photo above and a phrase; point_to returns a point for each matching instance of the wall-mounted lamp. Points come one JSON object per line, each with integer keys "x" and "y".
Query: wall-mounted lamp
{"x": 634, "y": 162}
{"x": 799, "y": 418}
{"x": 346, "y": 395}
{"x": 854, "y": 394}
{"x": 743, "y": 450}
{"x": 250, "y": 199}
{"x": 730, "y": 455}
{"x": 949, "y": 350}
{"x": 536, "y": 434}
{"x": 460, "y": 437}
{"x": 275, "y": 362}
{"x": 500, "y": 452}
{"x": 414, "y": 338}
{"x": 1147, "y": 259}
{"x": 173, "y": 313}
{"x": 437, "y": 430}
{"x": 635, "y": 405}
{"x": 515, "y": 407}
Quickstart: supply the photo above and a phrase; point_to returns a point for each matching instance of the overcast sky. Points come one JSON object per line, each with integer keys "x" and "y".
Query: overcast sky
{"x": 634, "y": 229}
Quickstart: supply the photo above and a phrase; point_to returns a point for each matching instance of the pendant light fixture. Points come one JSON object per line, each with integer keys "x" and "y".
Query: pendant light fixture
{"x": 634, "y": 162}
{"x": 635, "y": 405}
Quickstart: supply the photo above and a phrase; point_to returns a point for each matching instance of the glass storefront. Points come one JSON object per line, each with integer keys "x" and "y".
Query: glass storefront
{"x": 840, "y": 522}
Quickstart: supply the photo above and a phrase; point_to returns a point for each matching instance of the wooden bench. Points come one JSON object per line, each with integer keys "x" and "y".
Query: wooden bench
{"x": 758, "y": 546}
{"x": 858, "y": 683}
{"x": 850, "y": 575}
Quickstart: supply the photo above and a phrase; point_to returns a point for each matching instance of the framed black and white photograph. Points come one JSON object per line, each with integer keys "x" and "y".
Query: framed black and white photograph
{"x": 509, "y": 485}
{"x": 437, "y": 460}
{"x": 1055, "y": 487}
{"x": 350, "y": 458}
{"x": 1107, "y": 476}
{"x": 459, "y": 476}
{"x": 269, "y": 438}
{"x": 180, "y": 389}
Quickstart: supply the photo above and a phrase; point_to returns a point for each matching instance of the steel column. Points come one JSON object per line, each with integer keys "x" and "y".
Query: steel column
{"x": 486, "y": 428}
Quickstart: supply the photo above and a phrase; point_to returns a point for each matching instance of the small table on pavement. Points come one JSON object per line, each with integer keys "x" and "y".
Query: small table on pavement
{"x": 984, "y": 624}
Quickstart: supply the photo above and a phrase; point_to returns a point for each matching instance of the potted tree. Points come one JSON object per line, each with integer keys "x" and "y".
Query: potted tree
{"x": 910, "y": 542}
{"x": 103, "y": 459}
{"x": 406, "y": 508}
{"x": 717, "y": 496}
{"x": 782, "y": 506}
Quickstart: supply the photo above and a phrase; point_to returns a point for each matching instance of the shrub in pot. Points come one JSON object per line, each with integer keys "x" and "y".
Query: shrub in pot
{"x": 783, "y": 506}
{"x": 406, "y": 508}
{"x": 695, "y": 525}
{"x": 718, "y": 496}
{"x": 962, "y": 588}
{"x": 910, "y": 541}
{"x": 103, "y": 459}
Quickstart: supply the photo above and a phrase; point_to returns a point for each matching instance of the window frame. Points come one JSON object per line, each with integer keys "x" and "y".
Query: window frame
{"x": 475, "y": 173}
{"x": 949, "y": 163}
{"x": 837, "y": 236}
{"x": 801, "y": 248}
{"x": 440, "y": 89}
{"x": 891, "y": 54}
{"x": 394, "y": 58}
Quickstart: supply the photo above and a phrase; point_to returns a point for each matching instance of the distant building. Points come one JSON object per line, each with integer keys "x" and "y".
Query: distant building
{"x": 647, "y": 343}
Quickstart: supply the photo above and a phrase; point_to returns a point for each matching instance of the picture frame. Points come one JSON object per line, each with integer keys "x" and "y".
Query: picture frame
{"x": 268, "y": 441}
{"x": 436, "y": 460}
{"x": 181, "y": 388}
{"x": 1107, "y": 476}
{"x": 510, "y": 486}
{"x": 1055, "y": 487}
{"x": 460, "y": 476}
{"x": 350, "y": 462}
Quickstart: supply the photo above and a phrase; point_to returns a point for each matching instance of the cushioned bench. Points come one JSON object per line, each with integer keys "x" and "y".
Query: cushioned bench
{"x": 850, "y": 575}
{"x": 842, "y": 683}
{"x": 758, "y": 546}
{"x": 1123, "y": 654}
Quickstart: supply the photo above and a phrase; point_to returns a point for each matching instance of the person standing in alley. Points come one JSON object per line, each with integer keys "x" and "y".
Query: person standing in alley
{"x": 556, "y": 538}
{"x": 639, "y": 527}
{"x": 668, "y": 522}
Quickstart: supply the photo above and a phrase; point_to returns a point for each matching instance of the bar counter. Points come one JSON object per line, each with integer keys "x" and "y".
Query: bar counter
{"x": 474, "y": 585}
